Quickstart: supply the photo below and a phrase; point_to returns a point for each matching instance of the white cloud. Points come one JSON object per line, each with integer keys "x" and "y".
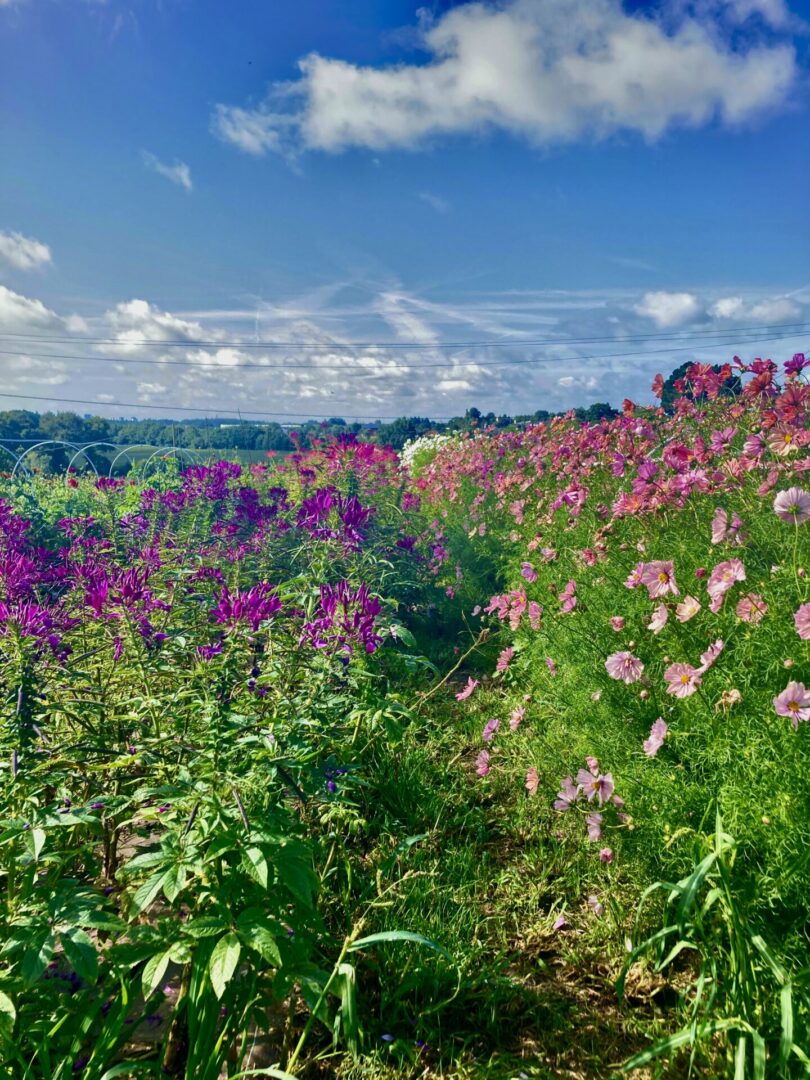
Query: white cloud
{"x": 544, "y": 70}
{"x": 669, "y": 309}
{"x": 136, "y": 321}
{"x": 179, "y": 173}
{"x": 23, "y": 252}
{"x": 440, "y": 205}
{"x": 765, "y": 312}
{"x": 19, "y": 313}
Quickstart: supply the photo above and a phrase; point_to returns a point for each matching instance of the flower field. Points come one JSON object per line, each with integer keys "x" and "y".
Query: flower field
{"x": 491, "y": 760}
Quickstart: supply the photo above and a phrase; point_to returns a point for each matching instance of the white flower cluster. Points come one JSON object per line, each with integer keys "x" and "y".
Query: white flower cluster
{"x": 420, "y": 452}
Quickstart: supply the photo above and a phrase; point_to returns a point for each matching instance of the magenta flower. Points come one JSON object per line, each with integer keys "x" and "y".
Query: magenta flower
{"x": 552, "y": 667}
{"x": 711, "y": 654}
{"x": 599, "y": 787}
{"x": 793, "y": 505}
{"x": 634, "y": 577}
{"x": 535, "y": 614}
{"x": 568, "y": 794}
{"x": 568, "y": 598}
{"x": 606, "y": 855}
{"x": 802, "y": 621}
{"x": 528, "y": 572}
{"x": 504, "y": 659}
{"x": 491, "y": 726}
{"x": 687, "y": 609}
{"x": 659, "y": 619}
{"x": 482, "y": 766}
{"x": 793, "y": 702}
{"x": 722, "y": 578}
{"x": 560, "y": 923}
{"x": 751, "y": 608}
{"x": 617, "y": 622}
{"x": 659, "y": 577}
{"x": 595, "y": 905}
{"x": 658, "y": 732}
{"x": 468, "y": 689}
{"x": 623, "y": 665}
{"x": 516, "y": 717}
{"x": 683, "y": 680}
{"x": 593, "y": 823}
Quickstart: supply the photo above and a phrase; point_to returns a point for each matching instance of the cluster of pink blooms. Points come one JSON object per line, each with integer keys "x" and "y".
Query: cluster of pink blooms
{"x": 591, "y": 785}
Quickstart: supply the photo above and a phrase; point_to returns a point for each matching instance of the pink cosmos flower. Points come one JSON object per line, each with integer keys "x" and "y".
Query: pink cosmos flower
{"x": 516, "y": 717}
{"x": 617, "y": 622}
{"x": 683, "y": 680}
{"x": 595, "y": 905}
{"x": 721, "y": 530}
{"x": 659, "y": 577}
{"x": 634, "y": 577}
{"x": 593, "y": 823}
{"x": 723, "y": 578}
{"x": 560, "y": 923}
{"x": 623, "y": 665}
{"x": 794, "y": 702}
{"x": 568, "y": 794}
{"x": 491, "y": 726}
{"x": 802, "y": 621}
{"x": 793, "y": 505}
{"x": 552, "y": 667}
{"x": 658, "y": 385}
{"x": 568, "y": 598}
{"x": 468, "y": 689}
{"x": 751, "y": 608}
{"x": 599, "y": 787}
{"x": 528, "y": 572}
{"x": 504, "y": 658}
{"x": 482, "y": 766}
{"x": 606, "y": 855}
{"x": 711, "y": 654}
{"x": 535, "y": 614}
{"x": 659, "y": 619}
{"x": 687, "y": 609}
{"x": 658, "y": 732}
{"x": 532, "y": 781}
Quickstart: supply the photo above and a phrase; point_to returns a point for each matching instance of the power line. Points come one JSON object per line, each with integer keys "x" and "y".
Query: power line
{"x": 455, "y": 365}
{"x": 224, "y": 343}
{"x": 205, "y": 412}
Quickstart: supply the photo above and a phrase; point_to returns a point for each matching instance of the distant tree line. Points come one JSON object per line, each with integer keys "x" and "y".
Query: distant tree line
{"x": 21, "y": 429}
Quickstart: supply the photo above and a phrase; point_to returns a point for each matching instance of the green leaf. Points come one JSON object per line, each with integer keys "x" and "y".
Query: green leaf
{"x": 256, "y": 865}
{"x": 80, "y": 953}
{"x": 223, "y": 962}
{"x": 36, "y": 958}
{"x": 258, "y": 934}
{"x": 296, "y": 873}
{"x": 398, "y": 935}
{"x": 403, "y": 634}
{"x": 153, "y": 972}
{"x": 35, "y": 841}
{"x": 174, "y": 882}
{"x": 147, "y": 893}
{"x": 8, "y": 1014}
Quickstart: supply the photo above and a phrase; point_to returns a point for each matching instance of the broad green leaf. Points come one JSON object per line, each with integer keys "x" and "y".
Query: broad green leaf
{"x": 223, "y": 962}
{"x": 36, "y": 958}
{"x": 8, "y": 1014}
{"x": 147, "y": 893}
{"x": 153, "y": 972}
{"x": 80, "y": 953}
{"x": 174, "y": 882}
{"x": 36, "y": 842}
{"x": 256, "y": 865}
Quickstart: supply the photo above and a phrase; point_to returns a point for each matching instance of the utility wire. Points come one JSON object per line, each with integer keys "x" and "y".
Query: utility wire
{"x": 205, "y": 412}
{"x": 455, "y": 365}
{"x": 326, "y": 346}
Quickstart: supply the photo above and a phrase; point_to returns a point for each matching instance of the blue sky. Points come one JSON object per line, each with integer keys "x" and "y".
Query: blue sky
{"x": 189, "y": 170}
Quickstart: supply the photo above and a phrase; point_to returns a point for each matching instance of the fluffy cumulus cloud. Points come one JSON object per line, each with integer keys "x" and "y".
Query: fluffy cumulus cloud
{"x": 669, "y": 309}
{"x": 179, "y": 173}
{"x": 21, "y": 314}
{"x": 544, "y": 70}
{"x": 23, "y": 252}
